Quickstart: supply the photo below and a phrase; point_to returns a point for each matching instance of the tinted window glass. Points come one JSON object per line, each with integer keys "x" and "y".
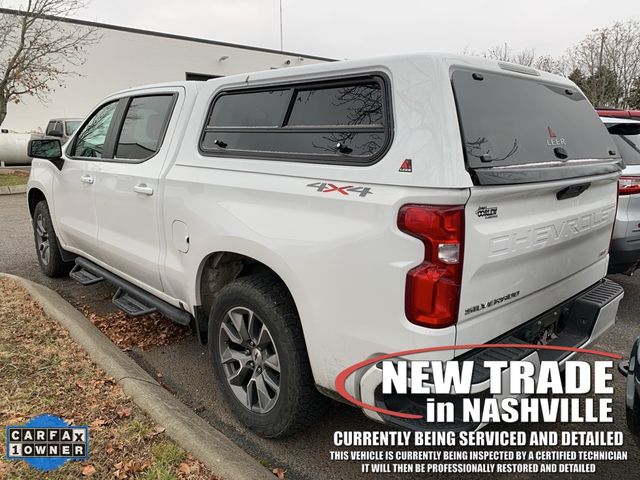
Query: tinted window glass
{"x": 143, "y": 127}
{"x": 55, "y": 128}
{"x": 627, "y": 139}
{"x": 90, "y": 140}
{"x": 352, "y": 144}
{"x": 256, "y": 109}
{"x": 331, "y": 122}
{"x": 349, "y": 105}
{"x": 72, "y": 126}
{"x": 509, "y": 120}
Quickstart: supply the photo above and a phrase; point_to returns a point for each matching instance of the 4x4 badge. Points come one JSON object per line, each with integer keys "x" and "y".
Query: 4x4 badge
{"x": 330, "y": 187}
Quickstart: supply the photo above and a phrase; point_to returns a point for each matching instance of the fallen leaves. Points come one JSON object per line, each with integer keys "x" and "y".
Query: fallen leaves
{"x": 129, "y": 468}
{"x": 190, "y": 468}
{"x": 98, "y": 423}
{"x": 49, "y": 372}
{"x": 279, "y": 473}
{"x": 124, "y": 413}
{"x": 88, "y": 470}
{"x": 142, "y": 332}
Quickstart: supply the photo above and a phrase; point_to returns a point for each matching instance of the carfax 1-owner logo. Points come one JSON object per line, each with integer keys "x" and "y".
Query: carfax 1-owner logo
{"x": 47, "y": 442}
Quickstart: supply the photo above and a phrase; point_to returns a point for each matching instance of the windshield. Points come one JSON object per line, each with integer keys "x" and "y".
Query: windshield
{"x": 509, "y": 120}
{"x": 627, "y": 138}
{"x": 72, "y": 126}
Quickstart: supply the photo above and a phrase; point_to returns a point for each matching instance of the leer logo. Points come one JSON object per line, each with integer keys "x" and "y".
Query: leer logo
{"x": 47, "y": 442}
{"x": 407, "y": 166}
{"x": 553, "y": 140}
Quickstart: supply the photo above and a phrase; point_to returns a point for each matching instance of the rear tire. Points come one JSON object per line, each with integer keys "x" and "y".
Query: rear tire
{"x": 48, "y": 249}
{"x": 259, "y": 357}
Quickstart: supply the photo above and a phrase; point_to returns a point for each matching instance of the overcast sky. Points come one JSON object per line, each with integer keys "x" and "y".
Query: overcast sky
{"x": 358, "y": 28}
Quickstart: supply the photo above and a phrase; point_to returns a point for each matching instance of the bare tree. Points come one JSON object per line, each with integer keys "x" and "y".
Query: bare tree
{"x": 524, "y": 57}
{"x": 500, "y": 52}
{"x": 504, "y": 53}
{"x": 38, "y": 53}
{"x": 610, "y": 59}
{"x": 557, "y": 66}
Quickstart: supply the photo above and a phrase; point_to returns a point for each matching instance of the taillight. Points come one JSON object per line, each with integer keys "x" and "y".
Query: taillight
{"x": 628, "y": 185}
{"x": 432, "y": 293}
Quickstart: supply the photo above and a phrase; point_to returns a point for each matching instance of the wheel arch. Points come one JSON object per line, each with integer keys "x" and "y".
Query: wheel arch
{"x": 34, "y": 196}
{"x": 218, "y": 269}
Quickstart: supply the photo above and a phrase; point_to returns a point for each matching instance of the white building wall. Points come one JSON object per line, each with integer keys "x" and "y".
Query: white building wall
{"x": 124, "y": 59}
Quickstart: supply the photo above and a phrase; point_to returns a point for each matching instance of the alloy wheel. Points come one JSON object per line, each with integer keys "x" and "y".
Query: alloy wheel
{"x": 42, "y": 240}
{"x": 249, "y": 359}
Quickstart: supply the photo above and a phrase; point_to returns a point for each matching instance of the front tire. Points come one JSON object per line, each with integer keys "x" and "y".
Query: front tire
{"x": 48, "y": 249}
{"x": 260, "y": 359}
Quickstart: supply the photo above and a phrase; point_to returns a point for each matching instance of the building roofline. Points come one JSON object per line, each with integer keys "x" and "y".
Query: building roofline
{"x": 173, "y": 36}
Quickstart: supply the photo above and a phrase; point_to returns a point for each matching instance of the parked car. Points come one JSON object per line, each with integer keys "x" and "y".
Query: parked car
{"x": 62, "y": 128}
{"x": 617, "y": 113}
{"x": 305, "y": 219}
{"x": 624, "y": 253}
{"x": 631, "y": 369}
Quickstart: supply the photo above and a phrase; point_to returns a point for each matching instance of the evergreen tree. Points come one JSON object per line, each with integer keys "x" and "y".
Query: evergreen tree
{"x": 578, "y": 78}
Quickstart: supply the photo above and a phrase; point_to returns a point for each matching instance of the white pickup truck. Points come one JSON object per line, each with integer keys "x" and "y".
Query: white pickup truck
{"x": 305, "y": 219}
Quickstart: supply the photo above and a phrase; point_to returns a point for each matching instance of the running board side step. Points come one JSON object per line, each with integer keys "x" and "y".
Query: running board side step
{"x": 130, "y": 298}
{"x": 131, "y": 305}
{"x": 84, "y": 277}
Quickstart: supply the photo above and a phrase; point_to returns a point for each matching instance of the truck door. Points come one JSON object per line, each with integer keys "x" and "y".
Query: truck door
{"x": 126, "y": 187}
{"x": 73, "y": 187}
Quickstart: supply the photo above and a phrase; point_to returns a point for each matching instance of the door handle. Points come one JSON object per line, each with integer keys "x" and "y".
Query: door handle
{"x": 143, "y": 189}
{"x": 87, "y": 179}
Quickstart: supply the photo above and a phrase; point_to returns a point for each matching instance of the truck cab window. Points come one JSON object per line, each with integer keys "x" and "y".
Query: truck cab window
{"x": 90, "y": 140}
{"x": 144, "y": 126}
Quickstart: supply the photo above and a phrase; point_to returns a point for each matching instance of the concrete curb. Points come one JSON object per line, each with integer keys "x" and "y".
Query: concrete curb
{"x": 14, "y": 190}
{"x": 223, "y": 457}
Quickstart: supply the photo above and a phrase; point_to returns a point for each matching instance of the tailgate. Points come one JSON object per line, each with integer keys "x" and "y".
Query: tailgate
{"x": 522, "y": 238}
{"x": 539, "y": 218}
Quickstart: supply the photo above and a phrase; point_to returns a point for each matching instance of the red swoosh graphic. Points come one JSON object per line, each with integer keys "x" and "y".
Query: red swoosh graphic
{"x": 347, "y": 372}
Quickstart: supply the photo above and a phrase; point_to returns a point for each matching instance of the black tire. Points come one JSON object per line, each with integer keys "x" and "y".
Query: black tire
{"x": 298, "y": 403}
{"x": 633, "y": 421}
{"x": 633, "y": 406}
{"x": 48, "y": 249}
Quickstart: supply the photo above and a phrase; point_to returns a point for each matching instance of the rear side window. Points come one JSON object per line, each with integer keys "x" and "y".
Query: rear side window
{"x": 258, "y": 109}
{"x": 143, "y": 128}
{"x": 359, "y": 104}
{"x": 627, "y": 138}
{"x": 342, "y": 122}
{"x": 507, "y": 121}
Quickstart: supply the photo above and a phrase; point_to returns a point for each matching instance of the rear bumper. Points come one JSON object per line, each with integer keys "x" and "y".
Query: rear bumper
{"x": 624, "y": 255}
{"x": 580, "y": 321}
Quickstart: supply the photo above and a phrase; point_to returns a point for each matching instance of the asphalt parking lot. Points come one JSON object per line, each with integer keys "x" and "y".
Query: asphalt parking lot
{"x": 185, "y": 370}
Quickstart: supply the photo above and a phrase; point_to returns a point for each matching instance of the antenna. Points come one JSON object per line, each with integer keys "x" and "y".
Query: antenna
{"x": 281, "y": 39}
